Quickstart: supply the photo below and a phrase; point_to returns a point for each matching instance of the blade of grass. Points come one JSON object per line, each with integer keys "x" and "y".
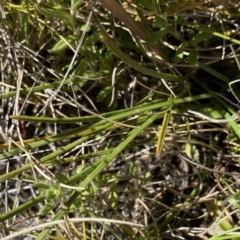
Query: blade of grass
{"x": 39, "y": 88}
{"x": 137, "y": 28}
{"x": 93, "y": 129}
{"x": 126, "y": 112}
{"x": 162, "y": 133}
{"x": 49, "y": 156}
{"x": 22, "y": 208}
{"x": 92, "y": 171}
{"x": 225, "y": 106}
{"x": 121, "y": 114}
{"x": 214, "y": 72}
{"x": 107, "y": 41}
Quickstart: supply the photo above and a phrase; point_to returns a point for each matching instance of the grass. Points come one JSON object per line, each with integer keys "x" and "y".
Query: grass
{"x": 119, "y": 120}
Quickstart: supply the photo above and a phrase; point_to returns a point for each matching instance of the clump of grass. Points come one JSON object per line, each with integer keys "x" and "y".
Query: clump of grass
{"x": 119, "y": 124}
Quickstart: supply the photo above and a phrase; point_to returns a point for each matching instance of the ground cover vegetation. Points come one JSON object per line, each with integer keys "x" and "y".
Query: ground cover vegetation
{"x": 119, "y": 119}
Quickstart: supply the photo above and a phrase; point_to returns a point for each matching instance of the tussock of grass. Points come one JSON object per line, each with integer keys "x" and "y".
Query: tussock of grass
{"x": 119, "y": 120}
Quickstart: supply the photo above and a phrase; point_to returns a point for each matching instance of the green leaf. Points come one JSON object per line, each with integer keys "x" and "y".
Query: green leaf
{"x": 81, "y": 67}
{"x": 113, "y": 197}
{"x": 40, "y": 185}
{"x": 154, "y": 37}
{"x": 86, "y": 27}
{"x": 75, "y": 4}
{"x": 62, "y": 44}
{"x": 235, "y": 200}
{"x": 103, "y": 94}
{"x": 192, "y": 151}
{"x": 179, "y": 53}
{"x": 48, "y": 207}
{"x": 91, "y": 39}
{"x": 61, "y": 178}
{"x": 225, "y": 225}
{"x": 53, "y": 191}
{"x": 193, "y": 57}
{"x": 57, "y": 13}
{"x": 160, "y": 21}
{"x": 237, "y": 195}
{"x": 201, "y": 36}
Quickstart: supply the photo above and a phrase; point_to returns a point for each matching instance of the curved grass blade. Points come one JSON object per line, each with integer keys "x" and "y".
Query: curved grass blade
{"x": 107, "y": 41}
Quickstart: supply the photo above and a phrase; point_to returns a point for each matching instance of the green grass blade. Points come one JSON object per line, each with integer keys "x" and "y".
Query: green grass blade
{"x": 135, "y": 64}
{"x": 101, "y": 164}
